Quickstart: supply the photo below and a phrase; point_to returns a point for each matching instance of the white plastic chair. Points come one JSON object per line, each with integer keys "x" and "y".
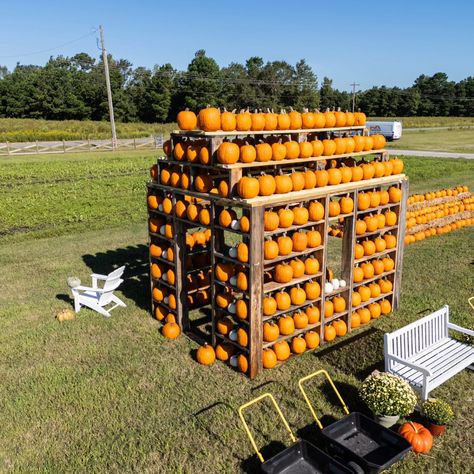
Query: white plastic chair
{"x": 98, "y": 298}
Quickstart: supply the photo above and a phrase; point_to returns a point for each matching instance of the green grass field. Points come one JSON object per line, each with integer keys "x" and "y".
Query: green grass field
{"x": 423, "y": 122}
{"x": 27, "y": 130}
{"x": 454, "y": 140}
{"x": 112, "y": 395}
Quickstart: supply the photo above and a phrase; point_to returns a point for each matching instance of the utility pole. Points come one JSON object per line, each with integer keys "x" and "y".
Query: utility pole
{"x": 109, "y": 90}
{"x": 354, "y": 85}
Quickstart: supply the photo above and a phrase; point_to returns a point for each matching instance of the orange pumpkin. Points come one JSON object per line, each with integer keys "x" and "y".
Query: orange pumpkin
{"x": 298, "y": 345}
{"x": 248, "y": 187}
{"x": 282, "y": 350}
{"x": 312, "y": 339}
{"x": 209, "y": 119}
{"x": 270, "y": 331}
{"x": 329, "y": 333}
{"x": 286, "y": 325}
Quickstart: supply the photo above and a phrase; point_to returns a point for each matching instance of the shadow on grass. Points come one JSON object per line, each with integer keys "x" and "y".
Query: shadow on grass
{"x": 358, "y": 355}
{"x": 136, "y": 284}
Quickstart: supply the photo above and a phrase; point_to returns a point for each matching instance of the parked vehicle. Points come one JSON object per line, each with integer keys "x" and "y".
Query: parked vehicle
{"x": 390, "y": 130}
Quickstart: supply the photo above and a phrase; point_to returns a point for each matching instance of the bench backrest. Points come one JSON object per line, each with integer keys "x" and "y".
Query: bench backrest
{"x": 419, "y": 335}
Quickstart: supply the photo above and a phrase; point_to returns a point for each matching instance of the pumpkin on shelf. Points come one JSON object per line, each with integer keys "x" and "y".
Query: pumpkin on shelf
{"x": 285, "y": 217}
{"x": 298, "y": 345}
{"x": 271, "y": 332}
{"x": 271, "y": 221}
{"x": 300, "y": 241}
{"x": 313, "y": 313}
{"x": 243, "y": 121}
{"x": 292, "y": 150}
{"x": 311, "y": 265}
{"x": 209, "y": 119}
{"x": 283, "y": 273}
{"x": 286, "y": 325}
{"x": 340, "y": 326}
{"x": 278, "y": 151}
{"x": 282, "y": 350}
{"x": 264, "y": 152}
{"x": 228, "y": 153}
{"x": 313, "y": 238}
{"x": 269, "y": 359}
{"x": 329, "y": 333}
{"x": 248, "y": 187}
{"x": 297, "y": 296}
{"x": 312, "y": 289}
{"x": 224, "y": 351}
{"x": 270, "y": 249}
{"x": 284, "y": 184}
{"x": 269, "y": 306}
{"x": 306, "y": 150}
{"x": 267, "y": 185}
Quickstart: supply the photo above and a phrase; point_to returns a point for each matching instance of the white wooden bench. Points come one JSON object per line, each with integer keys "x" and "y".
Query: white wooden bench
{"x": 424, "y": 354}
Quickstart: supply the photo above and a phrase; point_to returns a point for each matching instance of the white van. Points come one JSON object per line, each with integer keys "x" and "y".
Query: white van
{"x": 390, "y": 130}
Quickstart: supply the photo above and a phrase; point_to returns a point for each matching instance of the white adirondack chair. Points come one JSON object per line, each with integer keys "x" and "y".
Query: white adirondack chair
{"x": 98, "y": 298}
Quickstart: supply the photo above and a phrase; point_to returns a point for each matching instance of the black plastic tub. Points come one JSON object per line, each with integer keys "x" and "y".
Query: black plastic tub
{"x": 363, "y": 441}
{"x": 303, "y": 458}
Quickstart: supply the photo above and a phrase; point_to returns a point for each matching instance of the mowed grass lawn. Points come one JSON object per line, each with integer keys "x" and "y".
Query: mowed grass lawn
{"x": 112, "y": 395}
{"x": 451, "y": 140}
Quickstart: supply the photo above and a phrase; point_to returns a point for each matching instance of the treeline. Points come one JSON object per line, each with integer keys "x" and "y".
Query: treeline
{"x": 74, "y": 88}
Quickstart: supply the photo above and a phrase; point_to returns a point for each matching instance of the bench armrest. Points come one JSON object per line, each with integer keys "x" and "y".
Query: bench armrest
{"x": 88, "y": 288}
{"x": 418, "y": 368}
{"x": 98, "y": 276}
{"x": 457, "y": 328}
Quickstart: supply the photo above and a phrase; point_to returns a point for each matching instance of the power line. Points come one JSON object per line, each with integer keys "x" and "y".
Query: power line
{"x": 49, "y": 49}
{"x": 354, "y": 85}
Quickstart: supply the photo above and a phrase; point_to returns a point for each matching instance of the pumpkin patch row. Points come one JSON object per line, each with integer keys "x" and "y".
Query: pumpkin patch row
{"x": 211, "y": 119}
{"x": 430, "y": 196}
{"x": 439, "y": 230}
{"x": 372, "y": 311}
{"x": 279, "y": 149}
{"x": 296, "y": 296}
{"x": 373, "y": 222}
{"x": 250, "y": 187}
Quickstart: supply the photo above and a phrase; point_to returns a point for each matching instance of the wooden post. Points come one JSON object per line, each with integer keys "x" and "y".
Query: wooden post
{"x": 134, "y": 144}
{"x": 325, "y": 239}
{"x": 37, "y": 148}
{"x": 234, "y": 177}
{"x": 8, "y": 148}
{"x": 256, "y": 291}
{"x": 64, "y": 146}
{"x": 348, "y": 243}
{"x": 400, "y": 243}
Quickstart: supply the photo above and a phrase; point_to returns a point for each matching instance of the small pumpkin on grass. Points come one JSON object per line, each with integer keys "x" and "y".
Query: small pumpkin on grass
{"x": 206, "y": 355}
{"x": 418, "y": 436}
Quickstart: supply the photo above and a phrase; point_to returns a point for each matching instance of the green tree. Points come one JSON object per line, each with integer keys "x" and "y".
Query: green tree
{"x": 202, "y": 83}
{"x": 307, "y": 86}
{"x": 328, "y": 96}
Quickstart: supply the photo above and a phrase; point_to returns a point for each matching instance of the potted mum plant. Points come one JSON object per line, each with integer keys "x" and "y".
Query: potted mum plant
{"x": 388, "y": 396}
{"x": 438, "y": 413}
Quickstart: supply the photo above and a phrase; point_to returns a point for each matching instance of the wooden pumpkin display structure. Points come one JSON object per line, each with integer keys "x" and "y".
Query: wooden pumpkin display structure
{"x": 245, "y": 231}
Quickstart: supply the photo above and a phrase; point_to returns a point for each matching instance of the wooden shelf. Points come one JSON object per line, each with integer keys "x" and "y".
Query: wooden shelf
{"x": 235, "y": 318}
{"x": 197, "y": 270}
{"x": 228, "y": 229}
{"x": 375, "y": 255}
{"x": 230, "y": 259}
{"x": 163, "y": 237}
{"x": 234, "y": 343}
{"x": 195, "y": 290}
{"x": 259, "y": 164}
{"x": 274, "y": 286}
{"x": 161, "y": 303}
{"x": 335, "y": 316}
{"x": 270, "y": 263}
{"x": 372, "y": 300}
{"x": 193, "y": 224}
{"x": 221, "y": 133}
{"x": 369, "y": 280}
{"x": 291, "y": 309}
{"x": 336, "y": 292}
{"x": 188, "y": 192}
{"x": 340, "y": 216}
{"x": 227, "y": 285}
{"x": 163, "y": 260}
{"x": 383, "y": 230}
{"x": 308, "y": 194}
{"x": 159, "y": 281}
{"x": 379, "y": 208}
{"x": 282, "y": 230}
{"x": 297, "y": 332}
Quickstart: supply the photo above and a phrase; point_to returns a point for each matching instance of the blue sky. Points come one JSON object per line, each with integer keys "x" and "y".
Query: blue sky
{"x": 370, "y": 42}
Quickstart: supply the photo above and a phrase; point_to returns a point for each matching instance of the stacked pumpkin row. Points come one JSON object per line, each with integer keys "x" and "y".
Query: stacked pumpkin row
{"x": 266, "y": 185}
{"x": 211, "y": 119}
{"x": 439, "y": 230}
{"x": 370, "y": 247}
{"x": 275, "y": 148}
{"x": 451, "y": 209}
{"x": 430, "y": 196}
{"x": 367, "y": 270}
